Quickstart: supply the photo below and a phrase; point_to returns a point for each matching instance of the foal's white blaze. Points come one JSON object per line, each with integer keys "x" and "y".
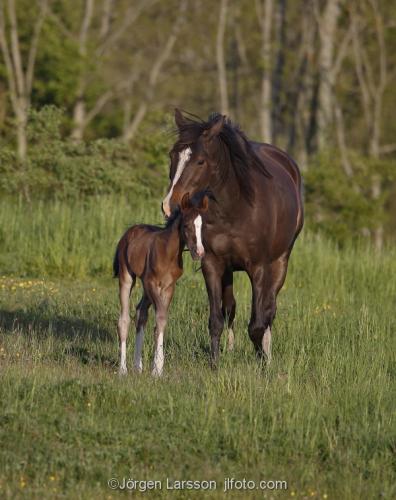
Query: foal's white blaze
{"x": 198, "y": 235}
{"x": 158, "y": 364}
{"x": 184, "y": 156}
{"x": 137, "y": 360}
{"x": 266, "y": 343}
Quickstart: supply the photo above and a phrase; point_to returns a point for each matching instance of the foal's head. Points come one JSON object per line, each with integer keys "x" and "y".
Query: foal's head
{"x": 192, "y": 221}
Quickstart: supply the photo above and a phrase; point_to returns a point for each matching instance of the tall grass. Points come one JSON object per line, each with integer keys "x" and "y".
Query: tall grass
{"x": 321, "y": 416}
{"x": 67, "y": 239}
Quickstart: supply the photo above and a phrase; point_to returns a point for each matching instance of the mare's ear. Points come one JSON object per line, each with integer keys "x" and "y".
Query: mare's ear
{"x": 179, "y": 118}
{"x": 204, "y": 205}
{"x": 216, "y": 128}
{"x": 185, "y": 202}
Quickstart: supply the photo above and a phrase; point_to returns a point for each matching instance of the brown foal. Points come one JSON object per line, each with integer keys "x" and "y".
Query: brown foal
{"x": 154, "y": 255}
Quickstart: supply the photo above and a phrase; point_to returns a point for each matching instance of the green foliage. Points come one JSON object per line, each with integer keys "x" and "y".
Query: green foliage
{"x": 61, "y": 168}
{"x": 341, "y": 207}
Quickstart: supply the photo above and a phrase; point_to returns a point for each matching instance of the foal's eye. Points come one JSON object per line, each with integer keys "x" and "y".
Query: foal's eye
{"x": 201, "y": 162}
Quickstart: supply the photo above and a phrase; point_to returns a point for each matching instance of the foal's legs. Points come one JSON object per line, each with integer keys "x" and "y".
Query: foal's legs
{"x": 140, "y": 322}
{"x": 126, "y": 283}
{"x": 213, "y": 271}
{"x": 161, "y": 298}
{"x": 228, "y": 306}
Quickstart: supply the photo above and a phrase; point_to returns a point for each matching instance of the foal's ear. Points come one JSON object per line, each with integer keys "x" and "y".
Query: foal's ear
{"x": 204, "y": 205}
{"x": 179, "y": 118}
{"x": 185, "y": 202}
{"x": 216, "y": 128}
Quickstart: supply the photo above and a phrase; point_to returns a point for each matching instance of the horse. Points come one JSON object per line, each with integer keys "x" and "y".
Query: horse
{"x": 253, "y": 219}
{"x": 154, "y": 255}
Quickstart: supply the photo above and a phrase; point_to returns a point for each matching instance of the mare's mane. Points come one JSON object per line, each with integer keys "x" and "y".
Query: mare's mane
{"x": 234, "y": 150}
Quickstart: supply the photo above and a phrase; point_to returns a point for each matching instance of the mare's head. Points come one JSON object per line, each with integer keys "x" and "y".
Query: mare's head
{"x": 192, "y": 211}
{"x": 204, "y": 156}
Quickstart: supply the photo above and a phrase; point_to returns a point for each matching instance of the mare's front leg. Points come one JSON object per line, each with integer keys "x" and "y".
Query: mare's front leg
{"x": 213, "y": 271}
{"x": 161, "y": 299}
{"x": 228, "y": 306}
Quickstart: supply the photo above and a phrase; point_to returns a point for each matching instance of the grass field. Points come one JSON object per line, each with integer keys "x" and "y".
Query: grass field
{"x": 320, "y": 417}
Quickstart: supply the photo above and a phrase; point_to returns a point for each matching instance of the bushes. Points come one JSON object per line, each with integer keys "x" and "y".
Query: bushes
{"x": 343, "y": 207}
{"x": 61, "y": 168}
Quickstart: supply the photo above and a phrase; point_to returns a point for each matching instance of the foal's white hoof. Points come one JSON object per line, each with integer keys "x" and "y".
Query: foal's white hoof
{"x": 230, "y": 340}
{"x": 138, "y": 369}
{"x": 122, "y": 371}
{"x": 155, "y": 373}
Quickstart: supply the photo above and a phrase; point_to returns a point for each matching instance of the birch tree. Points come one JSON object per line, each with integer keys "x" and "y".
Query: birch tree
{"x": 220, "y": 57}
{"x": 265, "y": 13}
{"x": 327, "y": 23}
{"x": 20, "y": 73}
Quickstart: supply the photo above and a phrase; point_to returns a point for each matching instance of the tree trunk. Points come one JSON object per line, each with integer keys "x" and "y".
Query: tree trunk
{"x": 77, "y": 133}
{"x": 221, "y": 63}
{"x": 277, "y": 76}
{"x": 79, "y": 106}
{"x": 327, "y": 33}
{"x": 21, "y": 123}
{"x": 265, "y": 98}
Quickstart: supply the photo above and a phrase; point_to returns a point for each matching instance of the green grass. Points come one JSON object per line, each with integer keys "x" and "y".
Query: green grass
{"x": 320, "y": 417}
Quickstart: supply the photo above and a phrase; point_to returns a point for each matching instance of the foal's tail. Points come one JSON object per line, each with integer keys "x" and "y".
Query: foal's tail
{"x": 116, "y": 263}
{"x": 120, "y": 260}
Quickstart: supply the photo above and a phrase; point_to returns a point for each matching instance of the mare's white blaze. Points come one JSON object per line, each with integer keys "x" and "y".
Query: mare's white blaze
{"x": 123, "y": 366}
{"x": 184, "y": 156}
{"x": 137, "y": 359}
{"x": 266, "y": 343}
{"x": 158, "y": 364}
{"x": 198, "y": 234}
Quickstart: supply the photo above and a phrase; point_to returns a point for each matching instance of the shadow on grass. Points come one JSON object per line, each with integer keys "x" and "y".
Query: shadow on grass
{"x": 29, "y": 322}
{"x": 75, "y": 330}
{"x": 59, "y": 326}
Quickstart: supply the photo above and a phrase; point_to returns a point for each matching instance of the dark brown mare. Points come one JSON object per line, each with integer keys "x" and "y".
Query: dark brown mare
{"x": 251, "y": 224}
{"x": 154, "y": 254}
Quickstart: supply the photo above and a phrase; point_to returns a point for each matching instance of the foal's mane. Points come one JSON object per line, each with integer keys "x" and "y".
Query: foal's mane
{"x": 234, "y": 150}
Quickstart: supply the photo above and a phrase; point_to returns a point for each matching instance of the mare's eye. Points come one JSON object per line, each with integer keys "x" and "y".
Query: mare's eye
{"x": 201, "y": 162}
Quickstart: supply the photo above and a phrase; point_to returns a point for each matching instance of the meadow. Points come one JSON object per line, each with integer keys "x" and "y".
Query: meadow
{"x": 320, "y": 417}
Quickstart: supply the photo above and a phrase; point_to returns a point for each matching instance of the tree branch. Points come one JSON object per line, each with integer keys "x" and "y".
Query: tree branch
{"x": 33, "y": 46}
{"x": 15, "y": 49}
{"x": 7, "y": 59}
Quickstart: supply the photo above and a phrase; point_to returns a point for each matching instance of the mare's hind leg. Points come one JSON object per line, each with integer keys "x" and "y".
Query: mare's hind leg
{"x": 140, "y": 322}
{"x": 126, "y": 283}
{"x": 266, "y": 283}
{"x": 161, "y": 298}
{"x": 278, "y": 276}
{"x": 228, "y": 306}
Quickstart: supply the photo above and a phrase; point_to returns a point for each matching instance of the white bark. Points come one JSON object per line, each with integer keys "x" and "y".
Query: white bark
{"x": 20, "y": 82}
{"x": 220, "y": 57}
{"x": 265, "y": 17}
{"x": 327, "y": 34}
